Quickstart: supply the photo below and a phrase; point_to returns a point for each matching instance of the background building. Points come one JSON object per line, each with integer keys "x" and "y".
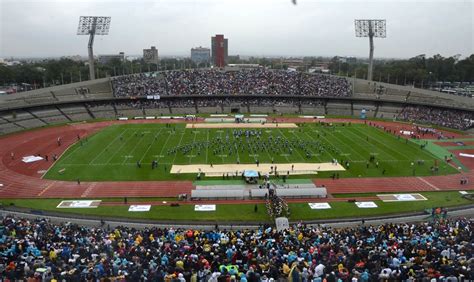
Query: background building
{"x": 219, "y": 46}
{"x": 150, "y": 56}
{"x": 104, "y": 59}
{"x": 200, "y": 55}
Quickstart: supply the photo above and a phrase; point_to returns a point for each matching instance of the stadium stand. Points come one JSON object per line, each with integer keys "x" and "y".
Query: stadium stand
{"x": 75, "y": 112}
{"x": 397, "y": 93}
{"x": 38, "y": 250}
{"x": 95, "y": 99}
{"x": 215, "y": 82}
{"x": 447, "y": 118}
{"x": 49, "y": 114}
{"x": 102, "y": 110}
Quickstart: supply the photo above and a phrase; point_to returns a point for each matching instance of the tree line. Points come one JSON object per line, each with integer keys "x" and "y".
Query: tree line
{"x": 419, "y": 70}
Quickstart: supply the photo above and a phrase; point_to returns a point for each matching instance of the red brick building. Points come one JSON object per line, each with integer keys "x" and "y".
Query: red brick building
{"x": 219, "y": 46}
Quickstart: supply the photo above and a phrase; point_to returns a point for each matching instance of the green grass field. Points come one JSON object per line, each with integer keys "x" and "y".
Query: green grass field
{"x": 245, "y": 212}
{"x": 113, "y": 153}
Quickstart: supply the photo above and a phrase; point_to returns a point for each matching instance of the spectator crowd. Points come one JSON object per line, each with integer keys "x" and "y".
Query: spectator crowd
{"x": 442, "y": 117}
{"x": 216, "y": 82}
{"x": 38, "y": 250}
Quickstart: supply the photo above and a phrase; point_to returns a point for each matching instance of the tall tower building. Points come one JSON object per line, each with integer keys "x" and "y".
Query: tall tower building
{"x": 219, "y": 46}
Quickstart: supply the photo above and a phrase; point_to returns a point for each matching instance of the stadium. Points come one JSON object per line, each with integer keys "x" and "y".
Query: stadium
{"x": 100, "y": 140}
{"x": 236, "y": 173}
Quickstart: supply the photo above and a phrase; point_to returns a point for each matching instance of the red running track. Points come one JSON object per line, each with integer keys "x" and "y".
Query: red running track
{"x": 22, "y": 180}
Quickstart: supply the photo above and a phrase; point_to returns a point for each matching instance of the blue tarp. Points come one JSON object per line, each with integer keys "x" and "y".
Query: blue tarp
{"x": 250, "y": 173}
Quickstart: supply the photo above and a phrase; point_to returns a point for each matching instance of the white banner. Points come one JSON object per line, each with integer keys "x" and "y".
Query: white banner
{"x": 123, "y": 118}
{"x": 405, "y": 132}
{"x": 282, "y": 223}
{"x": 79, "y": 204}
{"x": 149, "y": 117}
{"x": 318, "y": 117}
{"x": 466, "y": 155}
{"x": 405, "y": 197}
{"x": 366, "y": 205}
{"x": 139, "y": 208}
{"x": 319, "y": 206}
{"x": 30, "y": 159}
{"x": 204, "y": 207}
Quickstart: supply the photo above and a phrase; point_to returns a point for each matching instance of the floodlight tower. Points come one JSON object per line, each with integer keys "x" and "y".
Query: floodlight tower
{"x": 92, "y": 26}
{"x": 370, "y": 29}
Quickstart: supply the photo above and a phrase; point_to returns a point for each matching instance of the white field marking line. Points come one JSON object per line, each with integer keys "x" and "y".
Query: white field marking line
{"x": 329, "y": 143}
{"x": 271, "y": 156}
{"x": 362, "y": 148}
{"x": 207, "y": 144}
{"x": 312, "y": 153}
{"x": 163, "y": 147}
{"x": 266, "y": 150}
{"x": 255, "y": 155}
{"x": 237, "y": 150}
{"x": 379, "y": 131}
{"x": 67, "y": 149}
{"x": 113, "y": 141}
{"x": 340, "y": 141}
{"x": 103, "y": 150}
{"x": 371, "y": 146}
{"x": 383, "y": 161}
{"x": 60, "y": 156}
{"x": 134, "y": 148}
{"x": 179, "y": 144}
{"x": 332, "y": 157}
{"x": 149, "y": 146}
{"x": 220, "y": 137}
{"x": 194, "y": 140}
{"x": 286, "y": 155}
{"x": 121, "y": 146}
{"x": 429, "y": 184}
{"x": 114, "y": 164}
{"x": 75, "y": 149}
{"x": 296, "y": 149}
{"x": 390, "y": 149}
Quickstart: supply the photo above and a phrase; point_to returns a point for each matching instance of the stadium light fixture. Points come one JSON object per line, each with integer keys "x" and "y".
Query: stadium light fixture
{"x": 89, "y": 25}
{"x": 370, "y": 29}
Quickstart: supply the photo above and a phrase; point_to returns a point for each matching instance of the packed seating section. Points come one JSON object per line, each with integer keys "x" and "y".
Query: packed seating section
{"x": 39, "y": 250}
{"x": 260, "y": 91}
{"x": 216, "y": 82}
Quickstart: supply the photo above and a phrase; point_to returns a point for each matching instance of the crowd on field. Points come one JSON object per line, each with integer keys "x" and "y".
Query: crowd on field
{"x": 217, "y": 82}
{"x": 38, "y": 250}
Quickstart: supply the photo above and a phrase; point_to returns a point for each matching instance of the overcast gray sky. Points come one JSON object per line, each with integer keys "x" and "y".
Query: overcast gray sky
{"x": 253, "y": 27}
